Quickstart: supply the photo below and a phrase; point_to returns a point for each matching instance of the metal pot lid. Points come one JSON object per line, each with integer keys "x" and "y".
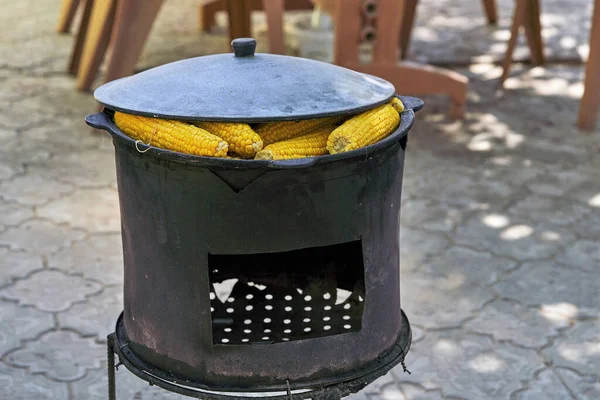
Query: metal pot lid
{"x": 245, "y": 87}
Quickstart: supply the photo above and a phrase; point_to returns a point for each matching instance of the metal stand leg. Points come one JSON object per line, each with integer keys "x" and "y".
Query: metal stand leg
{"x": 110, "y": 343}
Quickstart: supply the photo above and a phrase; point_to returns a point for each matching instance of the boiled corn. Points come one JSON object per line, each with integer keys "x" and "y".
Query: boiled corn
{"x": 364, "y": 129}
{"x": 397, "y": 104}
{"x": 308, "y": 145}
{"x": 272, "y": 132}
{"x": 171, "y": 135}
{"x": 241, "y": 138}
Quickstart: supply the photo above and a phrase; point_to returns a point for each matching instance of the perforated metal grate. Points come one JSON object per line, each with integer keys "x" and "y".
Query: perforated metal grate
{"x": 278, "y": 297}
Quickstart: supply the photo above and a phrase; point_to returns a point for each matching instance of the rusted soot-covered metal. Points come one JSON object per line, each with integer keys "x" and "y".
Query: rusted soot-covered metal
{"x": 186, "y": 221}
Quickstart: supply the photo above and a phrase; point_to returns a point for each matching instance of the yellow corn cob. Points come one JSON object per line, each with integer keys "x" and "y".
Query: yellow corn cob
{"x": 171, "y": 135}
{"x": 272, "y": 132}
{"x": 364, "y": 129}
{"x": 308, "y": 145}
{"x": 397, "y": 104}
{"x": 240, "y": 137}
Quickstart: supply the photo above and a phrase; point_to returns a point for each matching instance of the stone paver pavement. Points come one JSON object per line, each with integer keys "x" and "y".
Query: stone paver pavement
{"x": 500, "y": 228}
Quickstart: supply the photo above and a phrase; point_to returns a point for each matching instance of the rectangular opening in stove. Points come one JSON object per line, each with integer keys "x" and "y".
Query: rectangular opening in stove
{"x": 278, "y": 297}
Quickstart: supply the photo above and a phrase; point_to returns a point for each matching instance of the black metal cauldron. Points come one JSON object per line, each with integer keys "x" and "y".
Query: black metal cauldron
{"x": 259, "y": 276}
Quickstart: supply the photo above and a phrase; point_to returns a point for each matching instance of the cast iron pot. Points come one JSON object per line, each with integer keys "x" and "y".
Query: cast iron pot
{"x": 180, "y": 213}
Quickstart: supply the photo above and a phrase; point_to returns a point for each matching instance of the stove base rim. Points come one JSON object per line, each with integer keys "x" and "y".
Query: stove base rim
{"x": 333, "y": 391}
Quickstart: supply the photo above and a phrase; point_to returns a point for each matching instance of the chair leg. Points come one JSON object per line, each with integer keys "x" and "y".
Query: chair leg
{"x": 132, "y": 26}
{"x": 67, "y": 13}
{"x": 345, "y": 51}
{"x": 238, "y": 12}
{"x": 298, "y": 5}
{"x": 207, "y": 12}
{"x": 589, "y": 107}
{"x": 491, "y": 13}
{"x": 419, "y": 80}
{"x": 533, "y": 30}
{"x": 96, "y": 42}
{"x": 408, "y": 18}
{"x": 517, "y": 22}
{"x": 274, "y": 10}
{"x": 413, "y": 79}
{"x": 80, "y": 38}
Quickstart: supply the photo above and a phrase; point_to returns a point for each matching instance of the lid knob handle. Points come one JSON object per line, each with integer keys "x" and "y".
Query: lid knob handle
{"x": 243, "y": 47}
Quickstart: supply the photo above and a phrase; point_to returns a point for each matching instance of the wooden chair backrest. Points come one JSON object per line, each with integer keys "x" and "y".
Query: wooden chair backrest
{"x": 353, "y": 19}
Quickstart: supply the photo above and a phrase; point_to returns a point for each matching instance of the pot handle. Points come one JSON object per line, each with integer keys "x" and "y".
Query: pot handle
{"x": 411, "y": 103}
{"x": 99, "y": 121}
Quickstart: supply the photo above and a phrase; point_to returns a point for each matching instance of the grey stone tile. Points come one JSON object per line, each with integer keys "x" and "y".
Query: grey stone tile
{"x": 466, "y": 189}
{"x": 94, "y": 210}
{"x": 20, "y": 152}
{"x": 9, "y": 171}
{"x": 84, "y": 168}
{"x": 47, "y": 290}
{"x": 74, "y": 134}
{"x": 20, "y": 118}
{"x": 518, "y": 239}
{"x": 546, "y": 386}
{"x": 447, "y": 290}
{"x": 96, "y": 316}
{"x": 94, "y": 386}
{"x": 39, "y": 51}
{"x": 7, "y": 135}
{"x": 417, "y": 245}
{"x": 578, "y": 348}
{"x": 584, "y": 254}
{"x": 358, "y": 396}
{"x": 33, "y": 190}
{"x": 512, "y": 169}
{"x": 589, "y": 228}
{"x": 585, "y": 387}
{"x": 587, "y": 193}
{"x": 554, "y": 211}
{"x": 431, "y": 304}
{"x": 18, "y": 384}
{"x": 524, "y": 326}
{"x": 407, "y": 391}
{"x": 460, "y": 266}
{"x": 431, "y": 215}
{"x": 61, "y": 100}
{"x": 390, "y": 392}
{"x": 59, "y": 355}
{"x": 19, "y": 87}
{"x": 12, "y": 214}
{"x": 21, "y": 323}
{"x": 549, "y": 151}
{"x": 560, "y": 182}
{"x": 374, "y": 388}
{"x": 99, "y": 257}
{"x": 417, "y": 333}
{"x": 469, "y": 366}
{"x": 548, "y": 283}
{"x": 39, "y": 237}
{"x": 17, "y": 264}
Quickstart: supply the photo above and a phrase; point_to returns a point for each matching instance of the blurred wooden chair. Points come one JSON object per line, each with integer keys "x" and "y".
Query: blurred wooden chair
{"x": 589, "y": 108}
{"x": 380, "y": 22}
{"x": 126, "y": 24}
{"x": 408, "y": 18}
{"x": 526, "y": 15}
{"x": 240, "y": 20}
{"x": 410, "y": 10}
{"x": 68, "y": 9}
{"x": 273, "y": 10}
